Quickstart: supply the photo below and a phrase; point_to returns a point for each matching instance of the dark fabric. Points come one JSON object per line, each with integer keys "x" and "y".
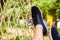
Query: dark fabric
{"x": 55, "y": 34}
{"x": 37, "y": 18}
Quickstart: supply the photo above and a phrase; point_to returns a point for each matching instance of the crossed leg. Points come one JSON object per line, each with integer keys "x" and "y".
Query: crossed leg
{"x": 38, "y": 35}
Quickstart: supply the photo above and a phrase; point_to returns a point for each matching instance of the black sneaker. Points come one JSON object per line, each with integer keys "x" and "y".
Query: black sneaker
{"x": 54, "y": 33}
{"x": 37, "y": 18}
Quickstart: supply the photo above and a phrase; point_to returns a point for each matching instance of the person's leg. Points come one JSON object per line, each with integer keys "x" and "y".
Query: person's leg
{"x": 38, "y": 24}
{"x": 38, "y": 34}
{"x": 37, "y": 18}
{"x": 55, "y": 34}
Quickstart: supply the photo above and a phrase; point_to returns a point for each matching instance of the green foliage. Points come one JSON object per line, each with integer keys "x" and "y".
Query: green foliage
{"x": 3, "y": 24}
{"x": 12, "y": 24}
{"x": 9, "y": 33}
{"x": 22, "y": 38}
{"x": 3, "y": 30}
{"x": 22, "y": 7}
{"x": 26, "y": 38}
{"x": 22, "y": 26}
{"x": 11, "y": 39}
{"x": 57, "y": 5}
{"x": 0, "y": 33}
{"x": 59, "y": 30}
{"x": 17, "y": 38}
{"x": 6, "y": 24}
{"x": 18, "y": 25}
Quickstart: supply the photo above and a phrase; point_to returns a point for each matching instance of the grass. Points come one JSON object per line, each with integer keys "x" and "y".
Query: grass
{"x": 58, "y": 30}
{"x": 23, "y": 37}
{"x": 17, "y": 38}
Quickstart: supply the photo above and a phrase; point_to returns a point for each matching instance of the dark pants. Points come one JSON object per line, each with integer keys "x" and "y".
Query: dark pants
{"x": 55, "y": 34}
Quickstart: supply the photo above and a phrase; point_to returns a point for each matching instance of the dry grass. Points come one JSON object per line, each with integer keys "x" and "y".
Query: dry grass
{"x": 11, "y": 33}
